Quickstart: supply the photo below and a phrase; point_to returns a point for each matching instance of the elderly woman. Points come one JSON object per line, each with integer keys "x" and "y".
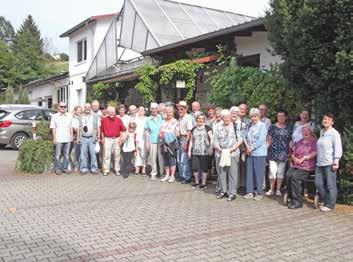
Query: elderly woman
{"x": 226, "y": 144}
{"x": 297, "y": 128}
{"x": 140, "y": 159}
{"x": 168, "y": 133}
{"x": 152, "y": 127}
{"x": 303, "y": 162}
{"x": 329, "y": 153}
{"x": 200, "y": 150}
{"x": 278, "y": 139}
{"x": 256, "y": 150}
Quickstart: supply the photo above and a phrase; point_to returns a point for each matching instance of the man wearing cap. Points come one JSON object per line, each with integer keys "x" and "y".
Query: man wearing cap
{"x": 152, "y": 127}
{"x": 185, "y": 126}
{"x": 61, "y": 126}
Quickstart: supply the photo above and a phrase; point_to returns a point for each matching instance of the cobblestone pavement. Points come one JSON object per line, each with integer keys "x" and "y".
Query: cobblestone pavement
{"x": 96, "y": 218}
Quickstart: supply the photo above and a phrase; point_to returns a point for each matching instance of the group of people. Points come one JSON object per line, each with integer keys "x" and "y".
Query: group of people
{"x": 185, "y": 146}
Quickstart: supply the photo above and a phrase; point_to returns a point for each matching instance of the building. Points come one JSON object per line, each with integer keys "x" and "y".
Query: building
{"x": 85, "y": 39}
{"x": 160, "y": 32}
{"x": 49, "y": 92}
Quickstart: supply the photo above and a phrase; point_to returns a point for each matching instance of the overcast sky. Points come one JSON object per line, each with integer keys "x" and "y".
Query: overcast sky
{"x": 56, "y": 16}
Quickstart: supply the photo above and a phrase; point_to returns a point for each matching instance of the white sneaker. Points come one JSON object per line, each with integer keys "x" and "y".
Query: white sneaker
{"x": 171, "y": 179}
{"x": 154, "y": 177}
{"x": 325, "y": 209}
{"x": 165, "y": 179}
{"x": 269, "y": 193}
{"x": 249, "y": 196}
{"x": 278, "y": 193}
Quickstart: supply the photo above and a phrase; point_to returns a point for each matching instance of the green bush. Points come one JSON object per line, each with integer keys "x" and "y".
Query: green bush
{"x": 235, "y": 84}
{"x": 35, "y": 157}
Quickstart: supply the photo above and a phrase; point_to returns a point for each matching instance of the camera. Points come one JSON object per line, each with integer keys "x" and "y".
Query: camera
{"x": 85, "y": 129}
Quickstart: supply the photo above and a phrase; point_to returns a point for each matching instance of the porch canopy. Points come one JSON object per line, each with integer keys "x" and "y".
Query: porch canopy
{"x": 144, "y": 25}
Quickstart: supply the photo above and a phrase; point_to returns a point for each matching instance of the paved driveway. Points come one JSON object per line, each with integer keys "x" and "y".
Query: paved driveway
{"x": 95, "y": 218}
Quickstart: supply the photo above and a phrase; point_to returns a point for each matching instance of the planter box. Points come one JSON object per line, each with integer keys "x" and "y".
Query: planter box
{"x": 206, "y": 59}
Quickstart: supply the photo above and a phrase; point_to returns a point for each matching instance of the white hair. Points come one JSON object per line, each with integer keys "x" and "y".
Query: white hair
{"x": 225, "y": 112}
{"x": 154, "y": 105}
{"x": 234, "y": 109}
{"x": 254, "y": 111}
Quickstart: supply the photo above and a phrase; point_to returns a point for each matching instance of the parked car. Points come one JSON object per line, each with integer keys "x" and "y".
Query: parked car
{"x": 16, "y": 123}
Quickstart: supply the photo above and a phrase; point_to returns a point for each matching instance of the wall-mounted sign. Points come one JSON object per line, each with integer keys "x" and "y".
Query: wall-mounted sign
{"x": 180, "y": 84}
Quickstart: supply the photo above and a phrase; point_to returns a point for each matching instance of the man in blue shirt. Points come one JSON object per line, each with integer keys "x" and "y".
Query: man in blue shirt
{"x": 153, "y": 125}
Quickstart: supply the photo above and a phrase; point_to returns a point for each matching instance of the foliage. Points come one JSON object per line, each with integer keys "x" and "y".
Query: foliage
{"x": 347, "y": 139}
{"x": 64, "y": 57}
{"x": 234, "y": 84}
{"x": 23, "y": 96}
{"x": 147, "y": 86}
{"x": 43, "y": 131}
{"x": 10, "y": 95}
{"x": 152, "y": 76}
{"x": 314, "y": 38}
{"x": 35, "y": 157}
{"x": 8, "y": 70}
{"x": 29, "y": 26}
{"x": 180, "y": 70}
{"x": 104, "y": 92}
{"x": 7, "y": 33}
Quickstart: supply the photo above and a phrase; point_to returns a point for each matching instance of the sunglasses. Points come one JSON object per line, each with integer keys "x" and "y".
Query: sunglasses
{"x": 62, "y": 106}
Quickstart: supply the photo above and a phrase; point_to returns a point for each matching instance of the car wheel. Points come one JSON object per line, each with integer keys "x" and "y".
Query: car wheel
{"x": 17, "y": 140}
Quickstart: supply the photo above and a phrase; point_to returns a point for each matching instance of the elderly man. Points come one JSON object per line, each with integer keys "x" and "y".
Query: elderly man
{"x": 185, "y": 126}
{"x": 112, "y": 128}
{"x": 132, "y": 113}
{"x": 196, "y": 109}
{"x": 152, "y": 127}
{"x": 227, "y": 141}
{"x": 97, "y": 113}
{"x": 263, "y": 116}
{"x": 89, "y": 135}
{"x": 61, "y": 125}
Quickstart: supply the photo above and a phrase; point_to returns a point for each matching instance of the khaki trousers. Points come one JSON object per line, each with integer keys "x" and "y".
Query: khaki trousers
{"x": 111, "y": 145}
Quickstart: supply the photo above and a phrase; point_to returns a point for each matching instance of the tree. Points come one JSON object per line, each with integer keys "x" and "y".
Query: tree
{"x": 7, "y": 33}
{"x": 8, "y": 70}
{"x": 29, "y": 26}
{"x": 10, "y": 95}
{"x": 23, "y": 96}
{"x": 314, "y": 38}
{"x": 28, "y": 50}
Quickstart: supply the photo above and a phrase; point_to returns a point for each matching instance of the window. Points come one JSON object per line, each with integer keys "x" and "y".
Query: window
{"x": 82, "y": 50}
{"x": 50, "y": 103}
{"x": 30, "y": 115}
{"x": 63, "y": 94}
{"x": 251, "y": 60}
{"x": 48, "y": 114}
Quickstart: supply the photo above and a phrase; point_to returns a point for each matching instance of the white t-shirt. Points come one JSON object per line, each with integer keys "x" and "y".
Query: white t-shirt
{"x": 62, "y": 124}
{"x": 129, "y": 144}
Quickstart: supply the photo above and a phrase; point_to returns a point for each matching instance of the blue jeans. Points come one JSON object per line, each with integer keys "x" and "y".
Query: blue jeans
{"x": 88, "y": 143}
{"x": 325, "y": 182}
{"x": 183, "y": 161}
{"x": 61, "y": 149}
{"x": 255, "y": 169}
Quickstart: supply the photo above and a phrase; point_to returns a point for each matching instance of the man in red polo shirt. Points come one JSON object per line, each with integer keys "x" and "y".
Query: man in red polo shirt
{"x": 112, "y": 127}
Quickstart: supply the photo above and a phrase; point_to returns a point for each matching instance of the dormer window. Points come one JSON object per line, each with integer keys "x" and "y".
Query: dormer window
{"x": 81, "y": 50}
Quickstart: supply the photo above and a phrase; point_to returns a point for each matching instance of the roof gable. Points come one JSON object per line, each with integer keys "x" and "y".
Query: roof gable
{"x": 149, "y": 24}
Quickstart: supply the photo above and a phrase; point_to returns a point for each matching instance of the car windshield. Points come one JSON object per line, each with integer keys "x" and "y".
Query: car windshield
{"x": 3, "y": 113}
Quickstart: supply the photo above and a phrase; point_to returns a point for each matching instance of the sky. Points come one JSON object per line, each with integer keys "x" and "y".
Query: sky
{"x": 54, "y": 17}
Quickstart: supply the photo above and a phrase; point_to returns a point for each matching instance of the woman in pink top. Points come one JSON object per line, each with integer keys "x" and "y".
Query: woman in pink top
{"x": 303, "y": 162}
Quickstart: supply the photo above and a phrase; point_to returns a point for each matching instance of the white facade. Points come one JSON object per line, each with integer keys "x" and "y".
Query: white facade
{"x": 257, "y": 43}
{"x": 48, "y": 94}
{"x": 93, "y": 33}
